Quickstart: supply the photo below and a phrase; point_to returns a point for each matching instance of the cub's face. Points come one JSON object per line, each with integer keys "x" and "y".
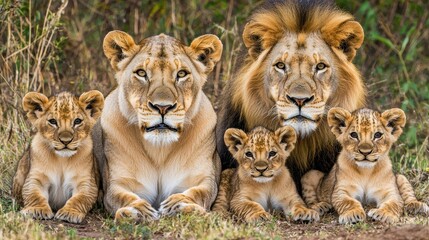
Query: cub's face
{"x": 366, "y": 135}
{"x": 160, "y": 79}
{"x": 261, "y": 154}
{"x": 64, "y": 121}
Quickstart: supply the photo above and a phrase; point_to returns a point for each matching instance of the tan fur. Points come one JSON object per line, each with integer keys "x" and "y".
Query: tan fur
{"x": 363, "y": 173}
{"x": 58, "y": 171}
{"x": 261, "y": 181}
{"x": 156, "y": 141}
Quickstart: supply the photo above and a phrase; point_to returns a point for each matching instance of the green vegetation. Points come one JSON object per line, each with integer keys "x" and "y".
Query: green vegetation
{"x": 50, "y": 46}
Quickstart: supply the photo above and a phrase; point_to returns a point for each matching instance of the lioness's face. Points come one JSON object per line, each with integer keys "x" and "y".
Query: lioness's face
{"x": 299, "y": 79}
{"x": 160, "y": 79}
{"x": 366, "y": 135}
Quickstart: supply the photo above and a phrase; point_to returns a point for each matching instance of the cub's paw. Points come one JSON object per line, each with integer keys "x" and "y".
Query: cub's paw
{"x": 321, "y": 207}
{"x": 38, "y": 212}
{"x": 415, "y": 207}
{"x": 305, "y": 214}
{"x": 352, "y": 216}
{"x": 139, "y": 210}
{"x": 257, "y": 216}
{"x": 383, "y": 215}
{"x": 70, "y": 215}
{"x": 179, "y": 203}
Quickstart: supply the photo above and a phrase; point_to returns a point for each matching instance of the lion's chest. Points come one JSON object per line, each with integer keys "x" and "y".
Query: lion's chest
{"x": 61, "y": 186}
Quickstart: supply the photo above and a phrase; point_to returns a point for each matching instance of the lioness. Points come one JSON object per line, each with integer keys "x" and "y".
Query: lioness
{"x": 157, "y": 134}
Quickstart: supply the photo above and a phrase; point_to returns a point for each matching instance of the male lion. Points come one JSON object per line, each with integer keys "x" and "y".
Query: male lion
{"x": 156, "y": 137}
{"x": 298, "y": 64}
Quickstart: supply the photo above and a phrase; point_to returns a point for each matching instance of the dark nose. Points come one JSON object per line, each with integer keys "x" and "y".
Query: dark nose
{"x": 65, "y": 137}
{"x": 300, "y": 101}
{"x": 261, "y": 166}
{"x": 162, "y": 109}
{"x": 365, "y": 152}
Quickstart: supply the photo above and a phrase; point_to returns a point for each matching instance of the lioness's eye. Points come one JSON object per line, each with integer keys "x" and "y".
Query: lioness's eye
{"x": 320, "y": 66}
{"x": 378, "y": 135}
{"x": 280, "y": 65}
{"x": 354, "y": 135}
{"x": 77, "y": 121}
{"x": 181, "y": 74}
{"x": 272, "y": 154}
{"x": 52, "y": 121}
{"x": 140, "y": 73}
{"x": 249, "y": 154}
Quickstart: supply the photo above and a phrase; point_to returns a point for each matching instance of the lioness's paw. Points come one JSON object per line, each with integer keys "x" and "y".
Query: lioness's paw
{"x": 38, "y": 212}
{"x": 70, "y": 215}
{"x": 140, "y": 210}
{"x": 305, "y": 214}
{"x": 257, "y": 216}
{"x": 321, "y": 207}
{"x": 179, "y": 203}
{"x": 415, "y": 207}
{"x": 383, "y": 215}
{"x": 352, "y": 216}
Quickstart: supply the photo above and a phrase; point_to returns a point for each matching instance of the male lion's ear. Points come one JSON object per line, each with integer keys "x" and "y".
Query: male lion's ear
{"x": 118, "y": 45}
{"x": 93, "y": 102}
{"x": 257, "y": 37}
{"x": 287, "y": 137}
{"x": 207, "y": 49}
{"x": 234, "y": 139}
{"x": 394, "y": 120}
{"x": 346, "y": 36}
{"x": 338, "y": 119}
{"x": 35, "y": 104}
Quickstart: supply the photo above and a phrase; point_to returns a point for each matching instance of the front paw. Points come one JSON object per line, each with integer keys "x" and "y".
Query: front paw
{"x": 415, "y": 207}
{"x": 38, "y": 212}
{"x": 383, "y": 215}
{"x": 139, "y": 210}
{"x": 352, "y": 216}
{"x": 321, "y": 207}
{"x": 179, "y": 203}
{"x": 70, "y": 215}
{"x": 305, "y": 214}
{"x": 257, "y": 216}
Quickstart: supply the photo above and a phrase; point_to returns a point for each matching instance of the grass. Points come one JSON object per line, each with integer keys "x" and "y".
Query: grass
{"x": 51, "y": 46}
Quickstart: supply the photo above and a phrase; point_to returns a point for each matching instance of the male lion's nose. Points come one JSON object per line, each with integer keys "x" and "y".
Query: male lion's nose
{"x": 300, "y": 101}
{"x": 162, "y": 109}
{"x": 65, "y": 137}
{"x": 261, "y": 166}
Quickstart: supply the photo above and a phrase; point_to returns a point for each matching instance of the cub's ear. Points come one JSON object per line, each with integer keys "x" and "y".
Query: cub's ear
{"x": 234, "y": 139}
{"x": 35, "y": 104}
{"x": 394, "y": 120}
{"x": 93, "y": 102}
{"x": 206, "y": 49}
{"x": 338, "y": 118}
{"x": 118, "y": 45}
{"x": 257, "y": 36}
{"x": 346, "y": 36}
{"x": 287, "y": 137}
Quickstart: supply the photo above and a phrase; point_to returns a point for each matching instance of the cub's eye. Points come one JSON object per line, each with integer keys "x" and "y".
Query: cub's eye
{"x": 182, "y": 74}
{"x": 354, "y": 135}
{"x": 141, "y": 73}
{"x": 249, "y": 154}
{"x": 77, "y": 121}
{"x": 320, "y": 66}
{"x": 280, "y": 65}
{"x": 272, "y": 154}
{"x": 378, "y": 135}
{"x": 52, "y": 121}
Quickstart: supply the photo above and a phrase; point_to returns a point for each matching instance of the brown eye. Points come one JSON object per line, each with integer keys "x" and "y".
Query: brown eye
{"x": 280, "y": 65}
{"x": 140, "y": 73}
{"x": 378, "y": 135}
{"x": 272, "y": 154}
{"x": 320, "y": 66}
{"x": 249, "y": 154}
{"x": 181, "y": 74}
{"x": 53, "y": 121}
{"x": 354, "y": 135}
{"x": 77, "y": 121}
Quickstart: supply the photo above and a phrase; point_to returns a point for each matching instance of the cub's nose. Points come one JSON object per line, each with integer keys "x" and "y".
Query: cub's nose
{"x": 365, "y": 152}
{"x": 65, "y": 137}
{"x": 162, "y": 109}
{"x": 261, "y": 166}
{"x": 365, "y": 148}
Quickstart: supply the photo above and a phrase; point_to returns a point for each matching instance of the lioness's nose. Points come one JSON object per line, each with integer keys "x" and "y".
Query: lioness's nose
{"x": 162, "y": 109}
{"x": 65, "y": 137}
{"x": 300, "y": 101}
{"x": 261, "y": 166}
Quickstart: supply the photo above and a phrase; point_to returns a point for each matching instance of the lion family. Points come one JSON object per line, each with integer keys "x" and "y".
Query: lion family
{"x": 291, "y": 119}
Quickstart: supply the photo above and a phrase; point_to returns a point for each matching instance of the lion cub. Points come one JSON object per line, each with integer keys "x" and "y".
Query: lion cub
{"x": 363, "y": 172}
{"x": 261, "y": 180}
{"x": 58, "y": 171}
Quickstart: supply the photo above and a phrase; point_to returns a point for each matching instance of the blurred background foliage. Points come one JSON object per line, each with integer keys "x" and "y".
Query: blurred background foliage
{"x": 51, "y": 46}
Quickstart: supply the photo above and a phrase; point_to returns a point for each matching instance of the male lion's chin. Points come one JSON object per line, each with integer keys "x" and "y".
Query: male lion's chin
{"x": 302, "y": 127}
{"x": 65, "y": 152}
{"x": 161, "y": 137}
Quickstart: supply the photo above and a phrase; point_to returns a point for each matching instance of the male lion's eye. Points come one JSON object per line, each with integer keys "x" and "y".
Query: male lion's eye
{"x": 77, "y": 121}
{"x": 181, "y": 74}
{"x": 354, "y": 135}
{"x": 280, "y": 65}
{"x": 140, "y": 73}
{"x": 249, "y": 154}
{"x": 272, "y": 154}
{"x": 320, "y": 66}
{"x": 52, "y": 121}
{"x": 378, "y": 135}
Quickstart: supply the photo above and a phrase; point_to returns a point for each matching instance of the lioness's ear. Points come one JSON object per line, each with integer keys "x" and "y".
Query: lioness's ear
{"x": 346, "y": 36}
{"x": 394, "y": 120}
{"x": 93, "y": 102}
{"x": 118, "y": 45}
{"x": 207, "y": 49}
{"x": 258, "y": 37}
{"x": 287, "y": 137}
{"x": 35, "y": 104}
{"x": 234, "y": 139}
{"x": 338, "y": 118}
